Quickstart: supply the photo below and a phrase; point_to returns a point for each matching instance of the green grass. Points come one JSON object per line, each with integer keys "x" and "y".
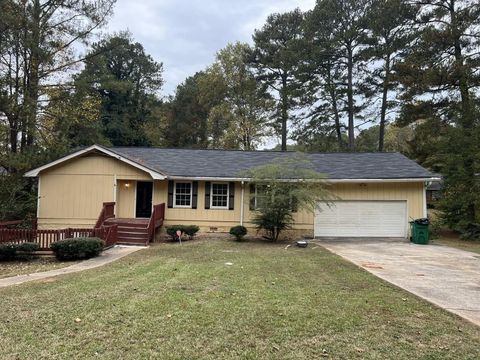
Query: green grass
{"x": 21, "y": 267}
{"x": 184, "y": 302}
{"x": 453, "y": 240}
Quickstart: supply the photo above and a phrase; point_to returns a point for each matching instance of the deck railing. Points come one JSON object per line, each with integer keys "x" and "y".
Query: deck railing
{"x": 156, "y": 219}
{"x": 108, "y": 212}
{"x": 44, "y": 237}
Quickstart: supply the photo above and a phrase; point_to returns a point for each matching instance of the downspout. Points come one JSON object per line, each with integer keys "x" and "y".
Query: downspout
{"x": 241, "y": 203}
{"x": 425, "y": 212}
{"x": 38, "y": 197}
{"x": 115, "y": 193}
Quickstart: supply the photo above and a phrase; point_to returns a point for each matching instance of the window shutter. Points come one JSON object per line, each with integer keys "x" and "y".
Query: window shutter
{"x": 170, "y": 193}
{"x": 252, "y": 197}
{"x": 194, "y": 194}
{"x": 208, "y": 187}
{"x": 231, "y": 196}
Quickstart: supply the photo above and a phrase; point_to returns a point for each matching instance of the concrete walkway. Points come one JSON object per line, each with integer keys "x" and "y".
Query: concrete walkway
{"x": 105, "y": 257}
{"x": 444, "y": 276}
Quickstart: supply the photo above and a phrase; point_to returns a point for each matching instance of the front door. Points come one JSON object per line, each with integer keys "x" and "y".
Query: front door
{"x": 144, "y": 199}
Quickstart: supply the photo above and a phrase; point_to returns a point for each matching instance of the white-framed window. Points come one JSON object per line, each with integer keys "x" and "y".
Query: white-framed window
{"x": 182, "y": 195}
{"x": 219, "y": 195}
{"x": 260, "y": 195}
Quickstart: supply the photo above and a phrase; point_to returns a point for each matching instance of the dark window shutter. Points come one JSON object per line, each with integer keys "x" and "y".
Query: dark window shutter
{"x": 231, "y": 196}
{"x": 170, "y": 193}
{"x": 194, "y": 194}
{"x": 208, "y": 187}
{"x": 252, "y": 197}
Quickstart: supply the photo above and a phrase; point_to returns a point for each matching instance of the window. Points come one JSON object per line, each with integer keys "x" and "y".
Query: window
{"x": 183, "y": 194}
{"x": 260, "y": 194}
{"x": 219, "y": 196}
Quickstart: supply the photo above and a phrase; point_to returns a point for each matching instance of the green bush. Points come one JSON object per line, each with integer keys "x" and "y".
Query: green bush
{"x": 78, "y": 248}
{"x": 239, "y": 232}
{"x": 8, "y": 251}
{"x": 27, "y": 249}
{"x": 189, "y": 230}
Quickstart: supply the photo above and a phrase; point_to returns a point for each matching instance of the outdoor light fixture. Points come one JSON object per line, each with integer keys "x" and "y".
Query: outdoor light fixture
{"x": 127, "y": 185}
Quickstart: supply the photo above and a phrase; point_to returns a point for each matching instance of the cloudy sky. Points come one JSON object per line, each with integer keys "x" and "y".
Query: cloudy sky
{"x": 186, "y": 34}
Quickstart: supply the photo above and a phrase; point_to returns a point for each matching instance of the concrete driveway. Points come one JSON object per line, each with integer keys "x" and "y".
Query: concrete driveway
{"x": 447, "y": 277}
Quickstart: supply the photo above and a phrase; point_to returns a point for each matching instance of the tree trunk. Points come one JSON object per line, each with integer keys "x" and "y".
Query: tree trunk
{"x": 284, "y": 111}
{"x": 351, "y": 123}
{"x": 383, "y": 112}
{"x": 336, "y": 115}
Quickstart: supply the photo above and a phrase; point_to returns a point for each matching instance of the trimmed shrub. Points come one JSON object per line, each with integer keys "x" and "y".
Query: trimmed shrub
{"x": 78, "y": 248}
{"x": 8, "y": 251}
{"x": 27, "y": 249}
{"x": 189, "y": 230}
{"x": 239, "y": 232}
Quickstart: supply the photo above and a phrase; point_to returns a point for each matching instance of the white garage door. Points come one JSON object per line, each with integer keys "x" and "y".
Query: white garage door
{"x": 361, "y": 219}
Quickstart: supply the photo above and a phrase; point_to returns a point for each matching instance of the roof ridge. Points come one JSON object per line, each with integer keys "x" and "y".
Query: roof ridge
{"x": 258, "y": 151}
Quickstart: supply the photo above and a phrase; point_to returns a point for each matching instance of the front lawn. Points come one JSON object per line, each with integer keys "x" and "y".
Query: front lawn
{"x": 452, "y": 239}
{"x": 227, "y": 300}
{"x": 22, "y": 267}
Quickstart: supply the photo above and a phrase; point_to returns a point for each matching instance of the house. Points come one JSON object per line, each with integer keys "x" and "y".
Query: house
{"x": 378, "y": 192}
{"x": 434, "y": 192}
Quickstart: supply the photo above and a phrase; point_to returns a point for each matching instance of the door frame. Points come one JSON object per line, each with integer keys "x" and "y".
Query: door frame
{"x": 135, "y": 197}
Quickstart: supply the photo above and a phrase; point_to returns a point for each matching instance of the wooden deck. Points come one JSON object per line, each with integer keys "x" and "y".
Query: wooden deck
{"x": 138, "y": 221}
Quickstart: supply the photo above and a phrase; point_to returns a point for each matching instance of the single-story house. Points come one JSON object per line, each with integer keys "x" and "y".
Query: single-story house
{"x": 378, "y": 193}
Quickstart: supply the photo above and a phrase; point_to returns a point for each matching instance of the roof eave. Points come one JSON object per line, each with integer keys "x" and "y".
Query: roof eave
{"x": 154, "y": 174}
{"x": 333, "y": 181}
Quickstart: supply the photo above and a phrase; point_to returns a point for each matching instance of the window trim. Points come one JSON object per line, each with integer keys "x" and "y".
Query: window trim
{"x": 175, "y": 194}
{"x": 255, "y": 203}
{"x": 211, "y": 196}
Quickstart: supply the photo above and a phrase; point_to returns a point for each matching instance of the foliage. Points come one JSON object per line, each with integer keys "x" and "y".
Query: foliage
{"x": 189, "y": 230}
{"x": 275, "y": 59}
{"x": 17, "y": 197}
{"x": 240, "y": 120}
{"x": 77, "y": 248}
{"x": 38, "y": 42}
{"x": 125, "y": 80}
{"x": 471, "y": 232}
{"x": 187, "y": 114}
{"x": 10, "y": 251}
{"x": 239, "y": 232}
{"x": 441, "y": 87}
{"x": 288, "y": 184}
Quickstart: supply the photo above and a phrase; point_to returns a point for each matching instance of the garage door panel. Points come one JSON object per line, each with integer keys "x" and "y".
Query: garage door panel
{"x": 361, "y": 219}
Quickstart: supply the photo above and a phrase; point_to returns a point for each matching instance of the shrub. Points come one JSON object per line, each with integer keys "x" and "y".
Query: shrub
{"x": 27, "y": 249}
{"x": 239, "y": 232}
{"x": 189, "y": 230}
{"x": 78, "y": 248}
{"x": 8, "y": 251}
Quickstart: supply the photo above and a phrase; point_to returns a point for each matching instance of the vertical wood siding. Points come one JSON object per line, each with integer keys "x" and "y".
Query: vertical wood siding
{"x": 72, "y": 195}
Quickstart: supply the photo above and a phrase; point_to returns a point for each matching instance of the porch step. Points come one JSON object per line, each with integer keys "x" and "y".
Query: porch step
{"x": 130, "y": 231}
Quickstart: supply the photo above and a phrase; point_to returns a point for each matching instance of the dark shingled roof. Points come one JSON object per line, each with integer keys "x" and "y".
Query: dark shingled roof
{"x": 231, "y": 164}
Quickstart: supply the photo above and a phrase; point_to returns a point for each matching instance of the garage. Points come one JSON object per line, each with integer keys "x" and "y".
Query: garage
{"x": 361, "y": 219}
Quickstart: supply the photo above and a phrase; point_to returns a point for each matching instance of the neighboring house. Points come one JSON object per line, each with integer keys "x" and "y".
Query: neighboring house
{"x": 379, "y": 192}
{"x": 434, "y": 192}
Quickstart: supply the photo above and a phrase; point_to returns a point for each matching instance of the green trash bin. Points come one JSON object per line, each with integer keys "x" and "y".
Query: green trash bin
{"x": 419, "y": 230}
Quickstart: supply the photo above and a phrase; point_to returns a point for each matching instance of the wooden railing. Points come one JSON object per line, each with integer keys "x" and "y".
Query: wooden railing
{"x": 44, "y": 238}
{"x": 108, "y": 212}
{"x": 156, "y": 219}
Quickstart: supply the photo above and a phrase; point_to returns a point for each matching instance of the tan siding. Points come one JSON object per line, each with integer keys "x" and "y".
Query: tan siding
{"x": 205, "y": 218}
{"x": 72, "y": 195}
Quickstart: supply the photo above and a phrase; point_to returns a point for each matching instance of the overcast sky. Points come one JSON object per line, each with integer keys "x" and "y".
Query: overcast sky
{"x": 186, "y": 34}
